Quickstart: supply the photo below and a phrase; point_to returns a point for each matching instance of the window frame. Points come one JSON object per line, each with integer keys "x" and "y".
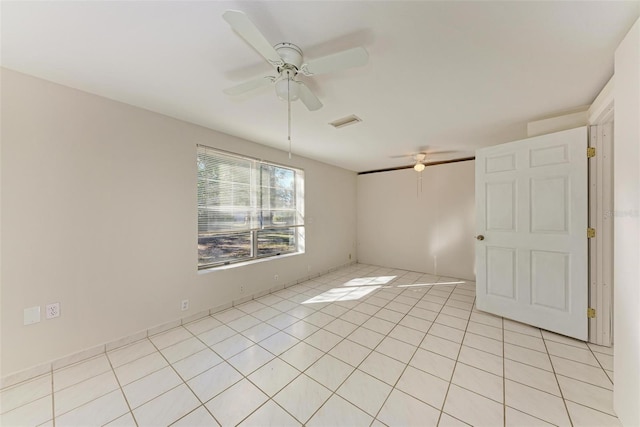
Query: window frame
{"x": 256, "y": 207}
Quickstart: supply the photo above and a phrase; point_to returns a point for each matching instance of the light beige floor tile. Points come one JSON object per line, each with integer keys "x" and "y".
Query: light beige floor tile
{"x": 400, "y": 409}
{"x": 251, "y": 306}
{"x": 319, "y": 319}
{"x": 250, "y": 359}
{"x": 530, "y": 357}
{"x": 217, "y": 334}
{"x": 606, "y": 360}
{"x": 586, "y": 394}
{"x": 366, "y": 308}
{"x": 452, "y": 321}
{"x": 389, "y": 315}
{"x": 486, "y": 319}
{"x": 446, "y": 332}
{"x": 243, "y": 323}
{"x": 423, "y": 314}
{"x": 580, "y": 371}
{"x": 202, "y": 325}
{"x": 572, "y": 353}
{"x": 97, "y": 412}
{"x": 435, "y": 364}
{"x": 229, "y": 315}
{"x": 266, "y": 313}
{"x": 232, "y": 346}
{"x": 329, "y": 371}
{"x": 151, "y": 386}
{"x": 350, "y": 352}
{"x": 341, "y": 327}
{"x": 279, "y": 343}
{"x": 382, "y": 367}
{"x": 336, "y": 412}
{"x": 301, "y": 355}
{"x": 473, "y": 408}
{"x": 601, "y": 349}
{"x": 183, "y": 349}
{"x": 551, "y": 336}
{"x": 456, "y": 312}
{"x": 447, "y": 420}
{"x": 479, "y": 381}
{"x": 364, "y": 391}
{"x": 282, "y": 320}
{"x": 81, "y": 393}
{"x": 301, "y": 312}
{"x": 355, "y": 317}
{"x": 536, "y": 403}
{"x": 127, "y": 353}
{"x": 270, "y": 414}
{"x": 516, "y": 418}
{"x": 170, "y": 337}
{"x": 415, "y": 323}
{"x": 408, "y": 335}
{"x": 213, "y": 381}
{"x": 366, "y": 337}
{"x": 197, "y": 363}
{"x": 396, "y": 349}
{"x": 125, "y": 420}
{"x": 198, "y": 418}
{"x": 441, "y": 346}
{"x": 379, "y": 325}
{"x": 236, "y": 403}
{"x": 24, "y": 393}
{"x": 34, "y": 413}
{"x": 259, "y": 332}
{"x": 531, "y": 376}
{"x": 514, "y": 326}
{"x": 426, "y": 387}
{"x": 524, "y": 340}
{"x": 480, "y": 342}
{"x": 301, "y": 329}
{"x": 323, "y": 340}
{"x": 284, "y": 305}
{"x": 84, "y": 370}
{"x": 485, "y": 330}
{"x": 274, "y": 376}
{"x": 139, "y": 368}
{"x": 302, "y": 397}
{"x": 481, "y": 359}
{"x": 581, "y": 416}
{"x": 166, "y": 408}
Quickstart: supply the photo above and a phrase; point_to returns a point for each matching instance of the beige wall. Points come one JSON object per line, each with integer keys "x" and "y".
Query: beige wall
{"x": 99, "y": 214}
{"x": 430, "y": 231}
{"x": 626, "y": 160}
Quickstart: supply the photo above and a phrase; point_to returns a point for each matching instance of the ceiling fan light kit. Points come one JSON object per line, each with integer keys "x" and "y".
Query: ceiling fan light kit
{"x": 288, "y": 61}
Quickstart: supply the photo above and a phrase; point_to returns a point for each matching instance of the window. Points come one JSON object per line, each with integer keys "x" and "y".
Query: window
{"x": 247, "y": 209}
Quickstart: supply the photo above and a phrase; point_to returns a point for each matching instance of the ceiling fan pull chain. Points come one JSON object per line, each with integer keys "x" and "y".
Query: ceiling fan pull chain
{"x": 289, "y": 113}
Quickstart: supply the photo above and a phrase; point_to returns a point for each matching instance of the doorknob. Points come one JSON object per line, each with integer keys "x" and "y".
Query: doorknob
{"x": 480, "y": 237}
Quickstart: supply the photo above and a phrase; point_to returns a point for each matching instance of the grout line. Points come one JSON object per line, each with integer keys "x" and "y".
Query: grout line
{"x": 564, "y": 402}
{"x": 113, "y": 371}
{"x": 504, "y": 380}
{"x": 53, "y": 400}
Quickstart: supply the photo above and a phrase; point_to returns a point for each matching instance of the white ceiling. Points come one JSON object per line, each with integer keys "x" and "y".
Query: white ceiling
{"x": 449, "y": 75}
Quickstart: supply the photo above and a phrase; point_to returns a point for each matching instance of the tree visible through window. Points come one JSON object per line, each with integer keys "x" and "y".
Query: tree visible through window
{"x": 247, "y": 209}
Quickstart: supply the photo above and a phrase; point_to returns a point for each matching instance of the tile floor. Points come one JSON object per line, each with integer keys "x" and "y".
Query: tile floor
{"x": 362, "y": 346}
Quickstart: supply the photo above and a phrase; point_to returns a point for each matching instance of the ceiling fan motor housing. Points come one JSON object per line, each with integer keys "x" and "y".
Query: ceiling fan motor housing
{"x": 290, "y": 54}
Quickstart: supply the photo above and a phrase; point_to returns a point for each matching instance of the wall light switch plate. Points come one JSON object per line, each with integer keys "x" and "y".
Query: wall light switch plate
{"x": 31, "y": 315}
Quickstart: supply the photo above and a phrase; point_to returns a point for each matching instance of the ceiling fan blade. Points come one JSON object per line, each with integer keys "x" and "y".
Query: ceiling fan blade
{"x": 308, "y": 98}
{"x": 248, "y": 31}
{"x": 336, "y": 62}
{"x": 250, "y": 85}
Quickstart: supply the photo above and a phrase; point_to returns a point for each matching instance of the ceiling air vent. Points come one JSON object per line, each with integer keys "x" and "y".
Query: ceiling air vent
{"x": 345, "y": 121}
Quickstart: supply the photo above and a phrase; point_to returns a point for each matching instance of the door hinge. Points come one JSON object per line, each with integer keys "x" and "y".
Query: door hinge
{"x": 591, "y": 233}
{"x": 591, "y": 152}
{"x": 591, "y": 313}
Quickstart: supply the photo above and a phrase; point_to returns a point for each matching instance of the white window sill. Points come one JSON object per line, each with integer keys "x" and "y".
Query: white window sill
{"x": 245, "y": 263}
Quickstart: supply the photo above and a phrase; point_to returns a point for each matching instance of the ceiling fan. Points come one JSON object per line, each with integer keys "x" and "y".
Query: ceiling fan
{"x": 288, "y": 61}
{"x": 420, "y": 158}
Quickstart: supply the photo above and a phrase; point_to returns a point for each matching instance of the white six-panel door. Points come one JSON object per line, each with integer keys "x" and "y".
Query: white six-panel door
{"x": 532, "y": 213}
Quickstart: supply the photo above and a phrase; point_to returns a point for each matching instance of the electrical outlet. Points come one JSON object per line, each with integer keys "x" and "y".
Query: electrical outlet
{"x": 185, "y": 305}
{"x": 53, "y": 310}
{"x": 275, "y": 277}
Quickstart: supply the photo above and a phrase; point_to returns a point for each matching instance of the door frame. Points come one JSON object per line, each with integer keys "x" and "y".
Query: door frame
{"x": 601, "y": 117}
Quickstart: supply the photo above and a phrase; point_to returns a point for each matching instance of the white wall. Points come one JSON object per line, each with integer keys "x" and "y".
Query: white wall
{"x": 99, "y": 214}
{"x": 626, "y": 389}
{"x": 430, "y": 231}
